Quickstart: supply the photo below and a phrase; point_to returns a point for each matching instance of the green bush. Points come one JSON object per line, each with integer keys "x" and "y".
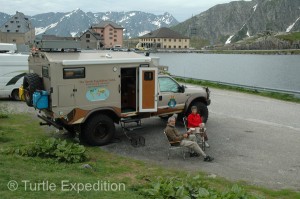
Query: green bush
{"x": 191, "y": 188}
{"x": 57, "y": 149}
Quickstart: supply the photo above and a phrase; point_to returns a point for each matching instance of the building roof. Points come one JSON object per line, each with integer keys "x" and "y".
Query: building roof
{"x": 94, "y": 33}
{"x": 17, "y": 23}
{"x": 164, "y": 33}
{"x": 102, "y": 24}
{"x": 54, "y": 37}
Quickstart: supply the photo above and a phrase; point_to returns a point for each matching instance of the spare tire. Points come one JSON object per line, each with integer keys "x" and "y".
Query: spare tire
{"x": 31, "y": 83}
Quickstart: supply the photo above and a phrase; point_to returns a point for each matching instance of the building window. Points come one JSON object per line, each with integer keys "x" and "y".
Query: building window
{"x": 16, "y": 17}
{"x": 11, "y": 21}
{"x": 115, "y": 31}
{"x": 179, "y": 40}
{"x": 26, "y": 18}
{"x": 185, "y": 46}
{"x": 115, "y": 40}
{"x": 17, "y": 22}
{"x": 158, "y": 39}
{"x": 17, "y": 30}
{"x": 115, "y": 35}
{"x": 87, "y": 41}
{"x": 165, "y": 46}
{"x": 14, "y": 40}
{"x": 6, "y": 26}
{"x": 19, "y": 26}
{"x": 185, "y": 40}
{"x": 170, "y": 47}
{"x": 87, "y": 36}
{"x": 110, "y": 33}
{"x": 8, "y": 30}
{"x": 175, "y": 40}
{"x": 174, "y": 46}
{"x": 101, "y": 31}
{"x": 165, "y": 39}
{"x": 179, "y": 46}
{"x": 170, "y": 39}
{"x": 110, "y": 29}
{"x": 110, "y": 38}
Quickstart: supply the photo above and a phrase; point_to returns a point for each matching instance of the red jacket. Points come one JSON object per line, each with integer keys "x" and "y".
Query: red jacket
{"x": 194, "y": 120}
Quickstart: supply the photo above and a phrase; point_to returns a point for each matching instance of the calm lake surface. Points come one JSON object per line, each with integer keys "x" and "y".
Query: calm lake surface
{"x": 271, "y": 71}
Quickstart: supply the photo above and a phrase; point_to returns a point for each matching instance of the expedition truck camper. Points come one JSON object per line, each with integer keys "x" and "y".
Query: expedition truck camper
{"x": 89, "y": 92}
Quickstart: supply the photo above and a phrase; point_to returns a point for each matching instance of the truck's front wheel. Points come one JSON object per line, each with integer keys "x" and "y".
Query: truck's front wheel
{"x": 99, "y": 130}
{"x": 202, "y": 110}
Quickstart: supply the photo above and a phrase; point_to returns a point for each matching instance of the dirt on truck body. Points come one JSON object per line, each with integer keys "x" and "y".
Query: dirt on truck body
{"x": 90, "y": 92}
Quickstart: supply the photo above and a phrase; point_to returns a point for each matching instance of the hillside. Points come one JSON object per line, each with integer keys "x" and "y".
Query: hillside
{"x": 234, "y": 21}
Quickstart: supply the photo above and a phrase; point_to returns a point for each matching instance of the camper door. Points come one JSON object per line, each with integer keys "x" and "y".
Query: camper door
{"x": 147, "y": 89}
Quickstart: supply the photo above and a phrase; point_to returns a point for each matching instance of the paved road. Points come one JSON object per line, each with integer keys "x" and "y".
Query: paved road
{"x": 252, "y": 138}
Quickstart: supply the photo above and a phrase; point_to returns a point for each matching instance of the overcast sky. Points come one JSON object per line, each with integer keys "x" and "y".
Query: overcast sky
{"x": 180, "y": 9}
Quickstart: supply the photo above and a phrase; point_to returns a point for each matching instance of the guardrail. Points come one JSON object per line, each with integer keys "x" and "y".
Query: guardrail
{"x": 255, "y": 88}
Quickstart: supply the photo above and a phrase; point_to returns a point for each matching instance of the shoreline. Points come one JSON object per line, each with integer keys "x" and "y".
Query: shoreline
{"x": 255, "y": 52}
{"x": 270, "y": 94}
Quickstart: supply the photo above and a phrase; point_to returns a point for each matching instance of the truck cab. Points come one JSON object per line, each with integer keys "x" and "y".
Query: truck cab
{"x": 90, "y": 92}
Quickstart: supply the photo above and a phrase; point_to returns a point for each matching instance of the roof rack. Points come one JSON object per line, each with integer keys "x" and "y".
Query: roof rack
{"x": 58, "y": 45}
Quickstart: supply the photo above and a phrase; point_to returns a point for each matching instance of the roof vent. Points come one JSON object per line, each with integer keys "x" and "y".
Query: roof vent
{"x": 108, "y": 55}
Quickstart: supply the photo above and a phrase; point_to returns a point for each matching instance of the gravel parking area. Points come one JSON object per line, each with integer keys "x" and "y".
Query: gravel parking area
{"x": 252, "y": 138}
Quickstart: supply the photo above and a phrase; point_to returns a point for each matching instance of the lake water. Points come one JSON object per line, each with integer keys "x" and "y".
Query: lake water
{"x": 271, "y": 71}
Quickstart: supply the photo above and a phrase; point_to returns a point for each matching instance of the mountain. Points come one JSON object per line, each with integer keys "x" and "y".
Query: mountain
{"x": 73, "y": 23}
{"x": 234, "y": 21}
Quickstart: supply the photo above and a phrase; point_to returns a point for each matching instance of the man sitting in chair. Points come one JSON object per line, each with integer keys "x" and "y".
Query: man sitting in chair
{"x": 194, "y": 120}
{"x": 187, "y": 140}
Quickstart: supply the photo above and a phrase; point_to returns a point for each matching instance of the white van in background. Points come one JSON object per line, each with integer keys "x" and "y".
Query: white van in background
{"x": 13, "y": 67}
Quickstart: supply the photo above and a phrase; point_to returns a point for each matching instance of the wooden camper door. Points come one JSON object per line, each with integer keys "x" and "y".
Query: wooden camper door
{"x": 147, "y": 89}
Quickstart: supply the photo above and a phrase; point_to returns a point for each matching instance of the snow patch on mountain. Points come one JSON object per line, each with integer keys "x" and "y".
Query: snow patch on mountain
{"x": 292, "y": 26}
{"x": 229, "y": 39}
{"x": 143, "y": 33}
{"x": 254, "y": 7}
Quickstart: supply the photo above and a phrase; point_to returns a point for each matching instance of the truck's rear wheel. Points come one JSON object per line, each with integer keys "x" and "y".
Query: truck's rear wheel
{"x": 99, "y": 130}
{"x": 31, "y": 83}
{"x": 202, "y": 110}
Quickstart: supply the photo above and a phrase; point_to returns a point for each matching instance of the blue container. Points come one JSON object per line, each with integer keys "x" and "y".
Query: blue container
{"x": 40, "y": 99}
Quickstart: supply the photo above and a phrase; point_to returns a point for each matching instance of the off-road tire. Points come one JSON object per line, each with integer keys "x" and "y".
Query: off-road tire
{"x": 202, "y": 110}
{"x": 99, "y": 130}
{"x": 15, "y": 95}
{"x": 31, "y": 83}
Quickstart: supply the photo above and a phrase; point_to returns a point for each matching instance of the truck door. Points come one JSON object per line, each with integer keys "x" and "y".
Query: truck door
{"x": 147, "y": 89}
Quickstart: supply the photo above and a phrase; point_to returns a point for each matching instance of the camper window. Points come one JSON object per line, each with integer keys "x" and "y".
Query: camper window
{"x": 45, "y": 72}
{"x": 73, "y": 73}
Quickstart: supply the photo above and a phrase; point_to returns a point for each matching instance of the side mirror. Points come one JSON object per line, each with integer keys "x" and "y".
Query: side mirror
{"x": 181, "y": 89}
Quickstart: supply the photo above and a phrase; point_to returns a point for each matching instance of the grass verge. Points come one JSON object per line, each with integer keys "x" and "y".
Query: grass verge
{"x": 274, "y": 95}
{"x": 22, "y": 130}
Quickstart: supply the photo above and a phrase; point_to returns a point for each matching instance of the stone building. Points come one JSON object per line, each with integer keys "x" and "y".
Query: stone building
{"x": 164, "y": 38}
{"x": 91, "y": 40}
{"x": 18, "y": 29}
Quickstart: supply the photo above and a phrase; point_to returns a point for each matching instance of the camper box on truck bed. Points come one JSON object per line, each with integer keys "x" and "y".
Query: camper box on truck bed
{"x": 88, "y": 92}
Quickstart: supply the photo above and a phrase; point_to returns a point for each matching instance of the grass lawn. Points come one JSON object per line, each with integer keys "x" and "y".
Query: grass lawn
{"x": 20, "y": 130}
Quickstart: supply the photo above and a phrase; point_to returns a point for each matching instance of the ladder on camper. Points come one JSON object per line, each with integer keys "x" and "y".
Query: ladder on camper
{"x": 135, "y": 140}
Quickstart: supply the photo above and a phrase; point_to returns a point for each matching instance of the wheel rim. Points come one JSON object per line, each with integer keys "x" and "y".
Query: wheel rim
{"x": 101, "y": 131}
{"x": 16, "y": 95}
